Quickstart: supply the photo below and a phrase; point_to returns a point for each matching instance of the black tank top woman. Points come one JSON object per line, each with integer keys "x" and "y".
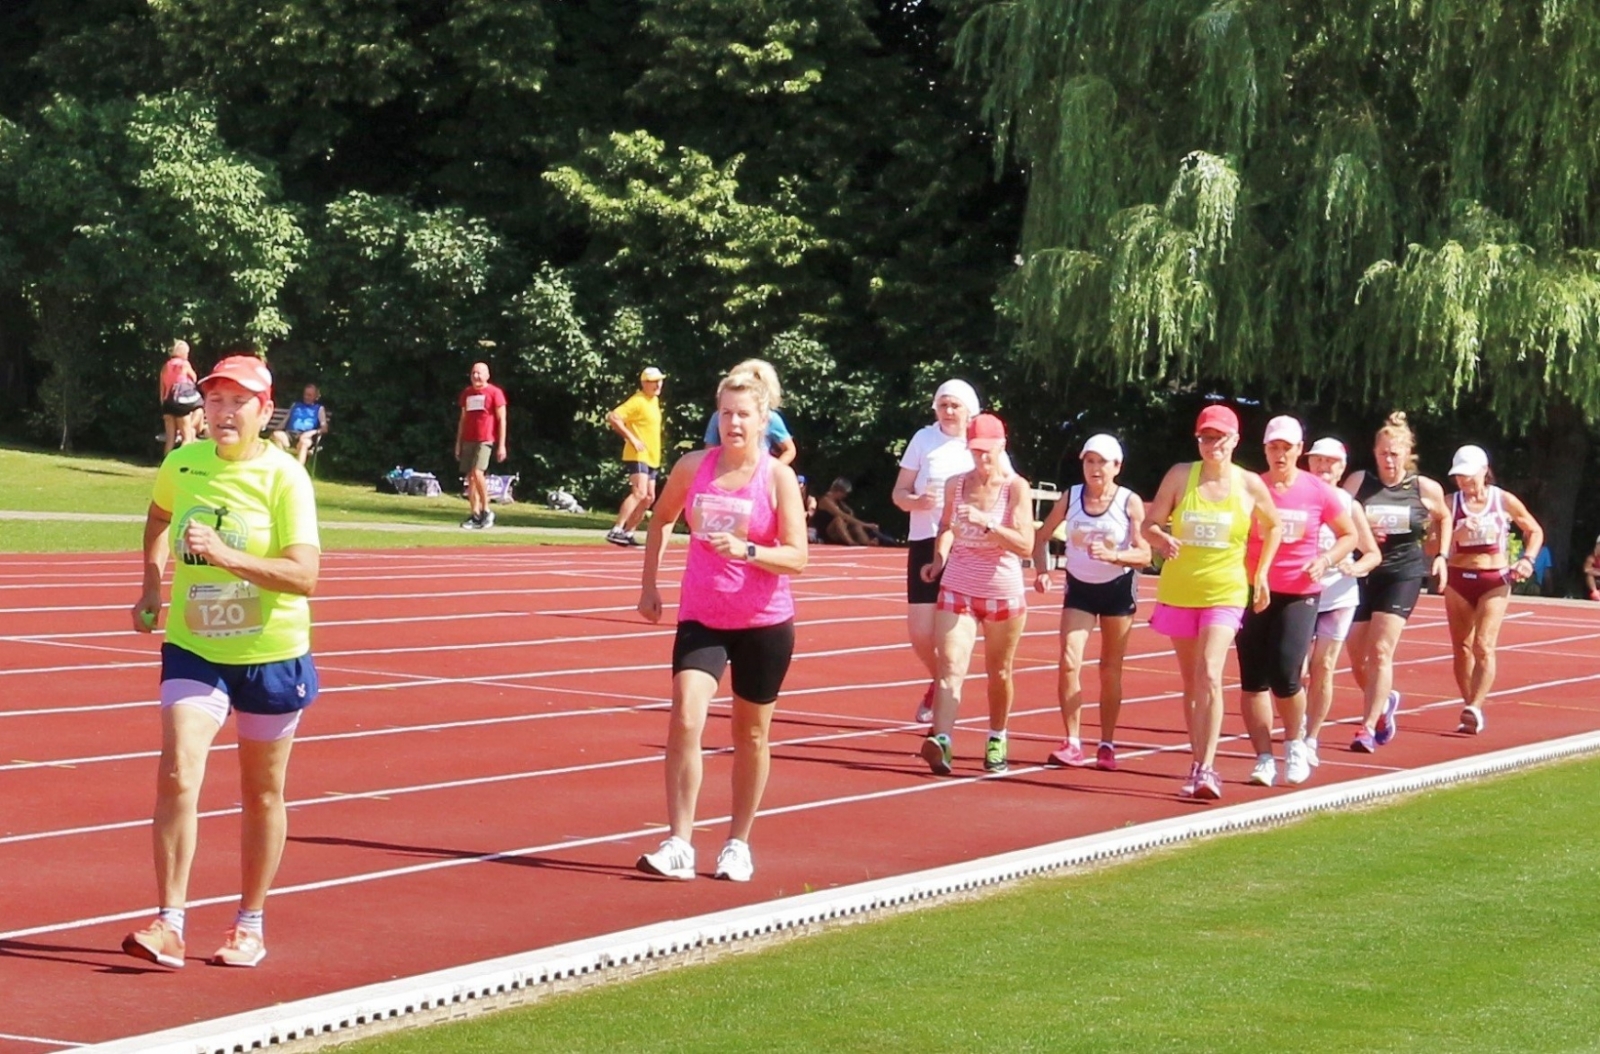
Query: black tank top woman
{"x": 1399, "y": 521}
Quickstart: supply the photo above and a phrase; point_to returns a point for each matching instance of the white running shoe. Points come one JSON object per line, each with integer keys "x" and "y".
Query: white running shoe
{"x": 734, "y": 863}
{"x": 675, "y": 859}
{"x": 1472, "y": 721}
{"x": 1266, "y": 771}
{"x": 1296, "y": 764}
{"x": 1311, "y": 753}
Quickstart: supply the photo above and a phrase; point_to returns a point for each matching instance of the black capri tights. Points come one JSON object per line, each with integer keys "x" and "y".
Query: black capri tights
{"x": 759, "y": 656}
{"x": 1273, "y": 644}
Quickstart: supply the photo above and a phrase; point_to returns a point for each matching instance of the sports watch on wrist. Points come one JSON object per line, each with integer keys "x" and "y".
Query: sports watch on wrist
{"x": 749, "y": 550}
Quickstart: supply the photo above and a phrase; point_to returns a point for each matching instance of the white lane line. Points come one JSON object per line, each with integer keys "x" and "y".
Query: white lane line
{"x": 41, "y": 1040}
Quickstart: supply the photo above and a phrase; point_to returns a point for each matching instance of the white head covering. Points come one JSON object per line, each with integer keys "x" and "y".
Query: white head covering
{"x": 1104, "y": 445}
{"x": 962, "y": 392}
{"x": 1469, "y": 461}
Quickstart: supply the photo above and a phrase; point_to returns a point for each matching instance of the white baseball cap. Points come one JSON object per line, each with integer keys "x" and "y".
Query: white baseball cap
{"x": 1328, "y": 446}
{"x": 1104, "y": 445}
{"x": 1286, "y": 429}
{"x": 651, "y": 373}
{"x": 1469, "y": 461}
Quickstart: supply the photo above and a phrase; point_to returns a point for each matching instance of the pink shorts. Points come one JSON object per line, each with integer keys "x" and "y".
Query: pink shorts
{"x": 1184, "y": 623}
{"x": 984, "y": 609}
{"x": 258, "y": 728}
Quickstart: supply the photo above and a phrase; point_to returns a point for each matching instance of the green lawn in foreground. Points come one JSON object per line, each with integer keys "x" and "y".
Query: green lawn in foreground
{"x": 1461, "y": 920}
{"x": 45, "y": 482}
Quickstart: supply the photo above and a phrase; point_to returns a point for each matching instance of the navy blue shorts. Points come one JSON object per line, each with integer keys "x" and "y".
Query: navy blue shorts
{"x": 639, "y": 468}
{"x": 259, "y": 688}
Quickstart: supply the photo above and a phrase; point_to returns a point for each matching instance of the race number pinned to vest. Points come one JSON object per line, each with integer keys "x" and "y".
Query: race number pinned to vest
{"x": 1478, "y": 531}
{"x": 1294, "y": 523}
{"x": 720, "y": 514}
{"x": 1389, "y": 519}
{"x": 228, "y": 609}
{"x": 1206, "y": 528}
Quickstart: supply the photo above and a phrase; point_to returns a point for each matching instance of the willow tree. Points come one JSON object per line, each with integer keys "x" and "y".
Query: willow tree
{"x": 1375, "y": 202}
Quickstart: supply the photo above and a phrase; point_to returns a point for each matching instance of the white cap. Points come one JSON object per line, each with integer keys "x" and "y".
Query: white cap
{"x": 1469, "y": 461}
{"x": 1104, "y": 445}
{"x": 1328, "y": 446}
{"x": 962, "y": 392}
{"x": 1286, "y": 429}
{"x": 651, "y": 373}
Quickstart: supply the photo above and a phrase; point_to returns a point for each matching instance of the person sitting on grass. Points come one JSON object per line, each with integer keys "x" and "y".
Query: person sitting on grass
{"x": 1591, "y": 572}
{"x": 837, "y": 523}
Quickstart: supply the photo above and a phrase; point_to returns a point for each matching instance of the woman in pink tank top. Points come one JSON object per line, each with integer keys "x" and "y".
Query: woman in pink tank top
{"x": 986, "y": 530}
{"x": 747, "y": 535}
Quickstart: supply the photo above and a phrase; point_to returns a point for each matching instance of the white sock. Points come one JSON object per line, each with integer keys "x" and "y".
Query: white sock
{"x": 1000, "y": 735}
{"x": 173, "y": 917}
{"x": 1075, "y": 741}
{"x": 1108, "y": 743}
{"x": 252, "y": 921}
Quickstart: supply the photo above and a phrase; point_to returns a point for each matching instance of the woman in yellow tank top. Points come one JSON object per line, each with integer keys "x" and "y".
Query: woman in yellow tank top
{"x": 1199, "y": 523}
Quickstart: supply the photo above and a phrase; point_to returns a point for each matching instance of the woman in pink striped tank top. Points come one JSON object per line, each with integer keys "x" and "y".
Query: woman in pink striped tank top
{"x": 747, "y": 535}
{"x": 986, "y": 530}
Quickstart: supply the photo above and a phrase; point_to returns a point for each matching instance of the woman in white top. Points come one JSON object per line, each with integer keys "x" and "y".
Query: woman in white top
{"x": 1105, "y": 548}
{"x": 937, "y": 453}
{"x": 1336, "y": 606}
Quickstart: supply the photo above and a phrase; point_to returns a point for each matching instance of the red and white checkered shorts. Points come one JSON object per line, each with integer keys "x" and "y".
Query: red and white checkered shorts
{"x": 984, "y": 609}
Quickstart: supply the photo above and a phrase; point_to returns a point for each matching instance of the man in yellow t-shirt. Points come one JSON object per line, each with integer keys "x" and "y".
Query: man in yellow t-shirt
{"x": 638, "y": 422}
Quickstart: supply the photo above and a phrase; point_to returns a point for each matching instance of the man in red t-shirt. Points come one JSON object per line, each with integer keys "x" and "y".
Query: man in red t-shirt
{"x": 482, "y": 427}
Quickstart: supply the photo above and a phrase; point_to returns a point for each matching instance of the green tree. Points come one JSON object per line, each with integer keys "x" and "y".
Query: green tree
{"x": 1357, "y": 202}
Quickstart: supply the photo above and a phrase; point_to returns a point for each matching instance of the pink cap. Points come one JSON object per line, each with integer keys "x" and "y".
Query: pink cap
{"x": 1218, "y": 418}
{"x": 247, "y": 371}
{"x": 1284, "y": 429}
{"x": 986, "y": 432}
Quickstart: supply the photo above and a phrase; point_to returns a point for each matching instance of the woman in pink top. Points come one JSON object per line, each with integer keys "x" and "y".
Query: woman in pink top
{"x": 1274, "y": 640}
{"x": 747, "y": 535}
{"x": 986, "y": 530}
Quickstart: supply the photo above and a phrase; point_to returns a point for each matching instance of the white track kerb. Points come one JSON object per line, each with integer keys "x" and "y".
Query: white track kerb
{"x": 453, "y": 992}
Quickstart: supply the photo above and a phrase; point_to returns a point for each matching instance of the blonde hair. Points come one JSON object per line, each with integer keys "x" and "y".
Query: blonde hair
{"x": 759, "y": 379}
{"x": 1398, "y": 431}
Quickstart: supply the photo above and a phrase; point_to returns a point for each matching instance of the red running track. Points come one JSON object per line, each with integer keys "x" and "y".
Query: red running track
{"x": 485, "y": 765}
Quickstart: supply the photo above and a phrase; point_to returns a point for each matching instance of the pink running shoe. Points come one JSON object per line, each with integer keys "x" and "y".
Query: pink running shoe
{"x": 241, "y": 947}
{"x": 1105, "y": 758}
{"x": 925, "y": 708}
{"x": 1210, "y": 786}
{"x": 1191, "y": 786}
{"x": 158, "y": 943}
{"x": 1068, "y": 755}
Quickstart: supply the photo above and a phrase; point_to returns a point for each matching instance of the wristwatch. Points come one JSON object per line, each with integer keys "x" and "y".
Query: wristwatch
{"x": 1027, "y": 562}
{"x": 749, "y": 550}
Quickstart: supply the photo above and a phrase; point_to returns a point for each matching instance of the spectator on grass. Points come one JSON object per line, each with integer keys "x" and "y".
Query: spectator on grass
{"x": 180, "y": 398}
{"x": 1591, "y": 572}
{"x": 747, "y": 536}
{"x": 936, "y": 454}
{"x": 837, "y": 523}
{"x": 481, "y": 428}
{"x": 638, "y": 422}
{"x": 1480, "y": 575}
{"x": 985, "y": 531}
{"x": 308, "y": 419}
{"x": 240, "y": 518}
{"x": 1106, "y": 546}
{"x": 1199, "y": 522}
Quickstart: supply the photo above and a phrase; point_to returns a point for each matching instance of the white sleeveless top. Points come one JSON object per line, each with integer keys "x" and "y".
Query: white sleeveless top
{"x": 1111, "y": 527}
{"x": 1339, "y": 590}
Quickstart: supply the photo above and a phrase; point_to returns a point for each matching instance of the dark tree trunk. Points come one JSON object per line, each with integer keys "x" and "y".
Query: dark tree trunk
{"x": 1560, "y": 450}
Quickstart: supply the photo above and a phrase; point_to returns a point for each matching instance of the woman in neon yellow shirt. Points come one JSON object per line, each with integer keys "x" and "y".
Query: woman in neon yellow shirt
{"x": 239, "y": 515}
{"x": 1199, "y": 522}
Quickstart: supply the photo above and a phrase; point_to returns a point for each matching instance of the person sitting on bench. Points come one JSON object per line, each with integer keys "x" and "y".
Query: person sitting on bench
{"x": 307, "y": 420}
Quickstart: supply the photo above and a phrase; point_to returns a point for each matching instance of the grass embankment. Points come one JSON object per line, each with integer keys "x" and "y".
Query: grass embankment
{"x": 1460, "y": 920}
{"x": 71, "y": 485}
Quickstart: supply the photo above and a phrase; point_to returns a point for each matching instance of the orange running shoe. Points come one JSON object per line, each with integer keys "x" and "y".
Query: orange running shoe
{"x": 241, "y": 947}
{"x": 158, "y": 943}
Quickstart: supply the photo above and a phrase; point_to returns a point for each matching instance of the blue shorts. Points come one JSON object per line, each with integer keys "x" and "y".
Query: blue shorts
{"x": 262, "y": 688}
{"x": 639, "y": 468}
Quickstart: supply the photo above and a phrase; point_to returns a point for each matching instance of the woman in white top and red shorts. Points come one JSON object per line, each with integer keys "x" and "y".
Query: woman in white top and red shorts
{"x": 747, "y": 536}
{"x": 1479, "y": 576}
{"x": 986, "y": 530}
{"x": 1105, "y": 547}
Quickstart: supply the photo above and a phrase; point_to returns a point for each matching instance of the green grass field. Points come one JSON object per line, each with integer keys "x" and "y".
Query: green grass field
{"x": 56, "y": 483}
{"x": 1460, "y": 920}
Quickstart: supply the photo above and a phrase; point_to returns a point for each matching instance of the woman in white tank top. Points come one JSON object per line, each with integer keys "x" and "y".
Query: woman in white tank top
{"x": 1105, "y": 548}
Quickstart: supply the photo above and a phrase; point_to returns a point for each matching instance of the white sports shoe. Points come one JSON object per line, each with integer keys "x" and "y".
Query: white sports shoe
{"x": 1472, "y": 720}
{"x": 1266, "y": 771}
{"x": 734, "y": 863}
{"x": 675, "y": 859}
{"x": 1296, "y": 762}
{"x": 1311, "y": 753}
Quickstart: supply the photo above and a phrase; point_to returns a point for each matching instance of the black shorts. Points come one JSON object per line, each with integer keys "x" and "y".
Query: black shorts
{"x": 919, "y": 554}
{"x": 173, "y": 408}
{"x": 760, "y": 656}
{"x": 639, "y": 468}
{"x": 1118, "y": 598}
{"x": 1273, "y": 644}
{"x": 1387, "y": 595}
